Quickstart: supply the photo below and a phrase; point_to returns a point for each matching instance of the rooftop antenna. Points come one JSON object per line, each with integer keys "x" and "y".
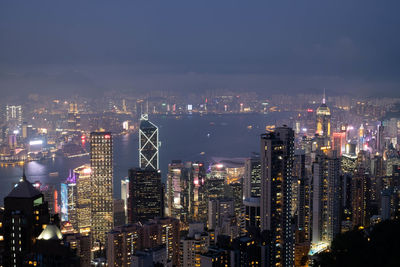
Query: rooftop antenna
{"x": 23, "y": 178}
{"x": 324, "y": 98}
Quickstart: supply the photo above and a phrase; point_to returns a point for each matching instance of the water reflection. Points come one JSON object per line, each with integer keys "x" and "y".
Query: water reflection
{"x": 184, "y": 139}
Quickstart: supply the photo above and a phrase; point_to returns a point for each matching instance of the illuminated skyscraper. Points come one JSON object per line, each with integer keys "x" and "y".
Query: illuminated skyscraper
{"x": 176, "y": 183}
{"x": 145, "y": 200}
{"x": 14, "y": 114}
{"x": 324, "y": 121}
{"x": 326, "y": 198}
{"x": 339, "y": 142}
{"x": 359, "y": 199}
{"x": 83, "y": 188}
{"x": 186, "y": 198}
{"x": 197, "y": 203}
{"x": 216, "y": 180}
{"x": 361, "y": 191}
{"x": 148, "y": 144}
{"x": 73, "y": 117}
{"x": 252, "y": 178}
{"x": 101, "y": 164}
{"x": 380, "y": 138}
{"x": 69, "y": 200}
{"x": 125, "y": 194}
{"x": 277, "y": 152}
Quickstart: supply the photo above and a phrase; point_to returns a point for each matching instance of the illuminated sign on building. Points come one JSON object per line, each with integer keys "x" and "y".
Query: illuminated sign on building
{"x": 64, "y": 202}
{"x": 36, "y": 142}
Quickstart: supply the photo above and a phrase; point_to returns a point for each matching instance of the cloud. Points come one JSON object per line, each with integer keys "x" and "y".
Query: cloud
{"x": 200, "y": 44}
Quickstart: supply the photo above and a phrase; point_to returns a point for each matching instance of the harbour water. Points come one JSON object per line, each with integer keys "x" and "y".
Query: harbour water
{"x": 188, "y": 138}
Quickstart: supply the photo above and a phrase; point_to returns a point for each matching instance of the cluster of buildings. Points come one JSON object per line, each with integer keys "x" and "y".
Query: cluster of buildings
{"x": 43, "y": 127}
{"x": 280, "y": 207}
{"x": 60, "y": 129}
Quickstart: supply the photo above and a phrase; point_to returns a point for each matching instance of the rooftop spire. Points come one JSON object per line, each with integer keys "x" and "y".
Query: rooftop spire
{"x": 324, "y": 98}
{"x": 23, "y": 178}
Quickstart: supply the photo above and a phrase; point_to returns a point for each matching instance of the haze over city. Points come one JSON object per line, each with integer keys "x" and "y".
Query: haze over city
{"x": 345, "y": 46}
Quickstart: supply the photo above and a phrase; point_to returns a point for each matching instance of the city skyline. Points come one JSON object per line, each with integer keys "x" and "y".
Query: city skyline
{"x": 208, "y": 133}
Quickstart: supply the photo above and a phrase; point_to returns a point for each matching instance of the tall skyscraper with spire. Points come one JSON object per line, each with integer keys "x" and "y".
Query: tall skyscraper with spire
{"x": 148, "y": 144}
{"x": 277, "y": 154}
{"x": 324, "y": 121}
{"x": 101, "y": 176}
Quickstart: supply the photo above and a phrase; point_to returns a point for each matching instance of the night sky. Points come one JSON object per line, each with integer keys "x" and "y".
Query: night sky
{"x": 266, "y": 46}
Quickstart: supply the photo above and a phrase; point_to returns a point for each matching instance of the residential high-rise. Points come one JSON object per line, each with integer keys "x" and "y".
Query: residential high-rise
{"x": 222, "y": 218}
{"x": 359, "y": 198}
{"x": 25, "y": 215}
{"x": 145, "y": 200}
{"x": 301, "y": 250}
{"x": 101, "y": 164}
{"x": 150, "y": 257}
{"x": 215, "y": 257}
{"x": 148, "y": 144}
{"x": 193, "y": 245}
{"x": 124, "y": 241}
{"x": 245, "y": 252}
{"x": 170, "y": 236}
{"x": 277, "y": 152}
{"x": 301, "y": 174}
{"x": 326, "y": 198}
{"x": 219, "y": 209}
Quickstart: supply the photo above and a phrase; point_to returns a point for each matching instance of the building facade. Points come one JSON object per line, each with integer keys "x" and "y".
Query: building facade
{"x": 145, "y": 200}
{"x": 25, "y": 215}
{"x": 277, "y": 152}
{"x": 148, "y": 144}
{"x": 101, "y": 164}
{"x": 83, "y": 187}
